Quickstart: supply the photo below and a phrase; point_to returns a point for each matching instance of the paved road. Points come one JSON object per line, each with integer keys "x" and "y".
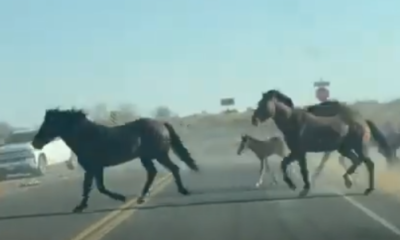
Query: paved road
{"x": 224, "y": 205}
{"x": 44, "y": 212}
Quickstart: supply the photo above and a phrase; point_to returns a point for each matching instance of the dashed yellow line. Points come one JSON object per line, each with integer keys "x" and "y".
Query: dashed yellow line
{"x": 101, "y": 228}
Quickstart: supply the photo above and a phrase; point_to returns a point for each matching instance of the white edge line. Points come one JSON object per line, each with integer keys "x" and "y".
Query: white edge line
{"x": 385, "y": 223}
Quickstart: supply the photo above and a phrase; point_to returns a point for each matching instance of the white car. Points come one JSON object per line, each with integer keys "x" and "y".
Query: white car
{"x": 18, "y": 156}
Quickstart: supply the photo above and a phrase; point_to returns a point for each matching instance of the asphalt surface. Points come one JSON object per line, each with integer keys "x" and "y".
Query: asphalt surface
{"x": 224, "y": 205}
{"x": 44, "y": 211}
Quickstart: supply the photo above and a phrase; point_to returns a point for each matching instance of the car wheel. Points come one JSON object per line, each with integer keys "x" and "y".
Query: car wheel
{"x": 42, "y": 166}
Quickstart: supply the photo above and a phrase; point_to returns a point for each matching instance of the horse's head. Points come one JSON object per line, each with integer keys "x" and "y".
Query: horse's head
{"x": 56, "y": 123}
{"x": 243, "y": 143}
{"x": 266, "y": 106}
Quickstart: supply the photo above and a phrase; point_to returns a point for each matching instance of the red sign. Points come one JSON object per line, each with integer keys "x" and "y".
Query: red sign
{"x": 322, "y": 94}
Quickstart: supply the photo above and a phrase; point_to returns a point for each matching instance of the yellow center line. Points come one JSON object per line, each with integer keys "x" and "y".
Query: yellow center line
{"x": 113, "y": 219}
{"x": 122, "y": 217}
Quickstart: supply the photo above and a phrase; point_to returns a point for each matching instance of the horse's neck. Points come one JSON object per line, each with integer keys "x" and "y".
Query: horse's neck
{"x": 284, "y": 117}
{"x": 79, "y": 133}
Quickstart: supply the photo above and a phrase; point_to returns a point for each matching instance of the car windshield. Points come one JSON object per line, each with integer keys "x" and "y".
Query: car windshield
{"x": 21, "y": 137}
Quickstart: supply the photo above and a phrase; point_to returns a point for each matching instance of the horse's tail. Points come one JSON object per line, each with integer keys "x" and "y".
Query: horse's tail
{"x": 383, "y": 145}
{"x": 179, "y": 149}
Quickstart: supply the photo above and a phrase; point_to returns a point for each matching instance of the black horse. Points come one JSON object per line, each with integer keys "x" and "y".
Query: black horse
{"x": 97, "y": 146}
{"x": 305, "y": 132}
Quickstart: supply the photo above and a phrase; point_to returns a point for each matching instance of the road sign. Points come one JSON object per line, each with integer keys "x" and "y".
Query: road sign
{"x": 321, "y": 83}
{"x": 227, "y": 102}
{"x": 322, "y": 94}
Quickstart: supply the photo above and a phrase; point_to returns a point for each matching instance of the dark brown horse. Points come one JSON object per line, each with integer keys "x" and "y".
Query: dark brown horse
{"x": 305, "y": 132}
{"x": 384, "y": 143}
{"x": 331, "y": 108}
{"x": 97, "y": 147}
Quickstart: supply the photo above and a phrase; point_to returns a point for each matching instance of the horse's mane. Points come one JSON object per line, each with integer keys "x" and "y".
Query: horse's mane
{"x": 334, "y": 107}
{"x": 72, "y": 111}
{"x": 279, "y": 96}
{"x": 331, "y": 103}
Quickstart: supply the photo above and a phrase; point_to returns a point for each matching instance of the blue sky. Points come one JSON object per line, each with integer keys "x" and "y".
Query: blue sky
{"x": 189, "y": 54}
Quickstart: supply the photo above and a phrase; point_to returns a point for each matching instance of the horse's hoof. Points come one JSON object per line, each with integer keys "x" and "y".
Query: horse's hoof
{"x": 290, "y": 184}
{"x": 78, "y": 209}
{"x": 368, "y": 191}
{"x": 258, "y": 185}
{"x": 140, "y": 200}
{"x": 121, "y": 198}
{"x": 184, "y": 192}
{"x": 304, "y": 192}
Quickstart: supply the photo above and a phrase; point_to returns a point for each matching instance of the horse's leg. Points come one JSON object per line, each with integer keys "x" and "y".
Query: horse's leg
{"x": 320, "y": 167}
{"x": 167, "y": 163}
{"x": 350, "y": 154}
{"x": 87, "y": 187}
{"x": 343, "y": 164}
{"x": 261, "y": 174}
{"x": 151, "y": 175}
{"x": 99, "y": 178}
{"x": 364, "y": 156}
{"x": 281, "y": 153}
{"x": 304, "y": 174}
{"x": 268, "y": 169}
{"x": 284, "y": 165}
